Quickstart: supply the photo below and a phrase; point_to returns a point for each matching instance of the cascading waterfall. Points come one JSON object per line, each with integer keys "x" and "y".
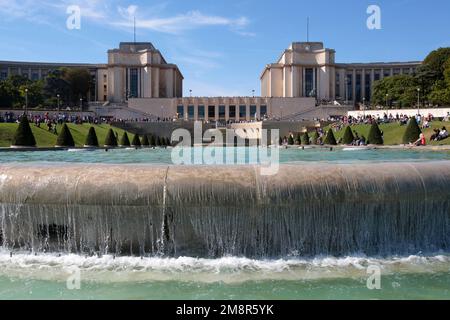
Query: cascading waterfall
{"x": 213, "y": 211}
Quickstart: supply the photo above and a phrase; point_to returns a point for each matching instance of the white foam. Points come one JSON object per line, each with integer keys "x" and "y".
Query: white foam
{"x": 227, "y": 269}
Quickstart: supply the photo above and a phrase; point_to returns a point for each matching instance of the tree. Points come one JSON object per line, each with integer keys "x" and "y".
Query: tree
{"x": 145, "y": 141}
{"x": 111, "y": 139}
{"x": 305, "y": 139}
{"x": 65, "y": 138}
{"x": 440, "y": 93}
{"x": 136, "y": 141}
{"x": 298, "y": 139}
{"x": 79, "y": 80}
{"x": 55, "y": 85}
{"x": 330, "y": 139}
{"x": 91, "y": 139}
{"x": 124, "y": 141}
{"x": 401, "y": 90}
{"x": 348, "y": 137}
{"x": 24, "y": 136}
{"x": 375, "y": 135}
{"x": 412, "y": 132}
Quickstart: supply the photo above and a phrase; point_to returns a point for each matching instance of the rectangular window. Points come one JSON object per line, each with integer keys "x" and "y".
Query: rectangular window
{"x": 222, "y": 112}
{"x": 212, "y": 112}
{"x": 338, "y": 86}
{"x": 34, "y": 75}
{"x": 405, "y": 70}
{"x": 377, "y": 75}
{"x": 3, "y": 74}
{"x": 368, "y": 86}
{"x": 191, "y": 113}
{"x": 253, "y": 112}
{"x": 133, "y": 83}
{"x": 232, "y": 112}
{"x": 309, "y": 82}
{"x": 242, "y": 112}
{"x": 396, "y": 72}
{"x": 263, "y": 111}
{"x": 349, "y": 87}
{"x": 180, "y": 112}
{"x": 358, "y": 87}
{"x": 386, "y": 73}
{"x": 201, "y": 112}
{"x": 104, "y": 78}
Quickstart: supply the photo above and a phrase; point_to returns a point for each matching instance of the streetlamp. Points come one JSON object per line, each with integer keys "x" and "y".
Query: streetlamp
{"x": 418, "y": 101}
{"x": 26, "y": 101}
{"x": 387, "y": 96}
{"x": 281, "y": 108}
{"x": 162, "y": 113}
{"x": 57, "y": 96}
{"x": 81, "y": 104}
{"x": 190, "y": 93}
{"x": 253, "y": 92}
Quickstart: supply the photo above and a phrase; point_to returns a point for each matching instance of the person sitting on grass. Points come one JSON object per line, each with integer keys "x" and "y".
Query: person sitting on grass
{"x": 435, "y": 135}
{"x": 443, "y": 134}
{"x": 421, "y": 141}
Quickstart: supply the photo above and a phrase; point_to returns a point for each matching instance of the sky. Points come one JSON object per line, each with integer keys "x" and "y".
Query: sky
{"x": 222, "y": 46}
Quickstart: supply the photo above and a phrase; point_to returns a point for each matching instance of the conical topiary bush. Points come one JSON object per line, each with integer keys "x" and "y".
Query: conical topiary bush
{"x": 111, "y": 139}
{"x": 291, "y": 140}
{"x": 152, "y": 141}
{"x": 136, "y": 142}
{"x": 348, "y": 137}
{"x": 65, "y": 138}
{"x": 168, "y": 142}
{"x": 316, "y": 137}
{"x": 158, "y": 141}
{"x": 412, "y": 132}
{"x": 375, "y": 135}
{"x": 298, "y": 140}
{"x": 124, "y": 141}
{"x": 24, "y": 136}
{"x": 305, "y": 139}
{"x": 91, "y": 139}
{"x": 330, "y": 139}
{"x": 145, "y": 141}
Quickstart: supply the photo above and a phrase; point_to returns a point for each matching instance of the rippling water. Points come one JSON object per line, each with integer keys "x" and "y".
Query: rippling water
{"x": 44, "y": 277}
{"x": 163, "y": 156}
{"x": 25, "y": 275}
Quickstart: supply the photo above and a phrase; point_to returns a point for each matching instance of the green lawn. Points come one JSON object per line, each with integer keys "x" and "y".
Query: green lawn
{"x": 44, "y": 138}
{"x": 393, "y": 132}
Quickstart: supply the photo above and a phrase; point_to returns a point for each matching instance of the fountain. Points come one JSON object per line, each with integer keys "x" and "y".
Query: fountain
{"x": 214, "y": 211}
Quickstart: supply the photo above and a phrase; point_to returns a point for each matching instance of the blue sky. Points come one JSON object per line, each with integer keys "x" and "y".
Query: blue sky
{"x": 221, "y": 46}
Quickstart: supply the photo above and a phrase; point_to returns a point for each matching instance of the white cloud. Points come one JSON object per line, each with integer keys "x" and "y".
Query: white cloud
{"x": 110, "y": 14}
{"x": 178, "y": 23}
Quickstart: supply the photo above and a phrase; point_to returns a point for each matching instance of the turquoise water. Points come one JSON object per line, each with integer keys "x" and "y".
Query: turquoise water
{"x": 45, "y": 277}
{"x": 241, "y": 155}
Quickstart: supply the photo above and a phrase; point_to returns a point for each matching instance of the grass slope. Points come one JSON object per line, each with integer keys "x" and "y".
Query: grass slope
{"x": 44, "y": 138}
{"x": 393, "y": 132}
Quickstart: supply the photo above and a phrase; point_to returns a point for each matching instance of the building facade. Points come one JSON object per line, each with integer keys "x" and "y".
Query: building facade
{"x": 134, "y": 70}
{"x": 308, "y": 69}
{"x": 306, "y": 75}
